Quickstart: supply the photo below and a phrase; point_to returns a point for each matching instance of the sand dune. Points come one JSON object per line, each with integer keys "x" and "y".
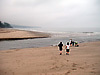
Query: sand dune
{"x": 83, "y": 60}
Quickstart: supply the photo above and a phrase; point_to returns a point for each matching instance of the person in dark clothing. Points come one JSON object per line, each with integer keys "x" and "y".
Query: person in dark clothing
{"x": 73, "y": 43}
{"x": 60, "y": 47}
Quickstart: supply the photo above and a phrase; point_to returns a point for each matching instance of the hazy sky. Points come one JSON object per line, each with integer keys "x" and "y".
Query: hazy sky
{"x": 51, "y": 13}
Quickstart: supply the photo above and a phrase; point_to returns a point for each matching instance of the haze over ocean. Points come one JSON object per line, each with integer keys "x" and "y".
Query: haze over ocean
{"x": 62, "y": 29}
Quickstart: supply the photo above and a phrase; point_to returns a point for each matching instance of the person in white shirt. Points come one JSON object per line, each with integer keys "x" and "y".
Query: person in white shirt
{"x": 67, "y": 48}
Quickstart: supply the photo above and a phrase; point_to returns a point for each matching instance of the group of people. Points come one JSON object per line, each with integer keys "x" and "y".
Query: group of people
{"x": 72, "y": 43}
{"x": 67, "y": 47}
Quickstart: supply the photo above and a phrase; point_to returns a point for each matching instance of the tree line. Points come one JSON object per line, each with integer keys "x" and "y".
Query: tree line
{"x": 5, "y": 25}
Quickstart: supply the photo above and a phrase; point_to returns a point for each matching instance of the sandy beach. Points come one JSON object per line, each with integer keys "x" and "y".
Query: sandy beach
{"x": 83, "y": 60}
{"x": 14, "y": 34}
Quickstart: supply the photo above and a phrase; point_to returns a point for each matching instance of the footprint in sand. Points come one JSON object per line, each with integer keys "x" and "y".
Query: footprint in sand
{"x": 81, "y": 67}
{"x": 74, "y": 65}
{"x": 55, "y": 67}
{"x": 93, "y": 72}
{"x": 93, "y": 68}
{"x": 74, "y": 68}
{"x": 67, "y": 72}
{"x": 67, "y": 60}
{"x": 5, "y": 72}
{"x": 85, "y": 62}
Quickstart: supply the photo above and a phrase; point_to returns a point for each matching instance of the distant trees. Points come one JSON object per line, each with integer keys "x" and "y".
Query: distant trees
{"x": 1, "y": 25}
{"x": 5, "y": 25}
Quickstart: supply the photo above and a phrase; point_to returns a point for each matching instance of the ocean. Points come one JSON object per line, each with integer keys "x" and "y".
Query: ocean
{"x": 57, "y": 35}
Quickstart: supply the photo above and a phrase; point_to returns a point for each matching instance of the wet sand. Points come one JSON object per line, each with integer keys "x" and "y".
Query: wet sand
{"x": 14, "y": 34}
{"x": 83, "y": 60}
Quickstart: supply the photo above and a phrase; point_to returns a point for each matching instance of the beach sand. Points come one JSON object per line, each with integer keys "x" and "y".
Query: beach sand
{"x": 14, "y": 34}
{"x": 83, "y": 60}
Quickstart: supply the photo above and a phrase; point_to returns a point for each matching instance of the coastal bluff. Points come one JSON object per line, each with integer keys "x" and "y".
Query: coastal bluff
{"x": 15, "y": 34}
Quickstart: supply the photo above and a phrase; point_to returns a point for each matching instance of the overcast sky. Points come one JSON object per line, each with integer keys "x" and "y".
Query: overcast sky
{"x": 51, "y": 13}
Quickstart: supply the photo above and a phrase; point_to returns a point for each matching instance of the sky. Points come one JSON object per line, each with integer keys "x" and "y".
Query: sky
{"x": 51, "y": 13}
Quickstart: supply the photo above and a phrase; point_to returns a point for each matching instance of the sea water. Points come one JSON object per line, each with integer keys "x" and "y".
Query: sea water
{"x": 64, "y": 35}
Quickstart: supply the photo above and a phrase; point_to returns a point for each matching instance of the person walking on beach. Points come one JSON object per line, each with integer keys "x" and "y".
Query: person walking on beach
{"x": 71, "y": 42}
{"x": 67, "y": 48}
{"x": 60, "y": 45}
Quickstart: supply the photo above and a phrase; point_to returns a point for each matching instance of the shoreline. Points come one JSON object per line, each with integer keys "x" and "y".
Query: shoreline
{"x": 15, "y": 34}
{"x": 83, "y": 60}
{"x": 4, "y": 39}
{"x": 80, "y": 44}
